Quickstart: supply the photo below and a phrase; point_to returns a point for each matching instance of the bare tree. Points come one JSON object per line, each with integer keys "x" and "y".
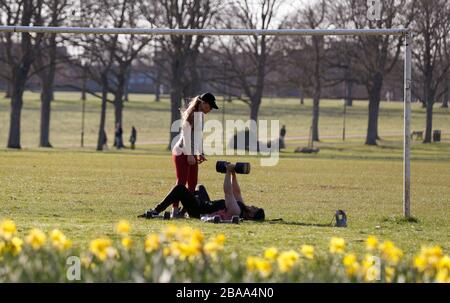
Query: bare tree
{"x": 182, "y": 51}
{"x": 248, "y": 58}
{"x": 20, "y": 53}
{"x": 375, "y": 56}
{"x": 46, "y": 64}
{"x": 109, "y": 57}
{"x": 432, "y": 53}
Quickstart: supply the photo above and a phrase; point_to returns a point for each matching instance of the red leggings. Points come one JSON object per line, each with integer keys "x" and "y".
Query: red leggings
{"x": 185, "y": 174}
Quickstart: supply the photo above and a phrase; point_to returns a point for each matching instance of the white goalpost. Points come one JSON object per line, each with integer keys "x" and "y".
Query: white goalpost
{"x": 275, "y": 32}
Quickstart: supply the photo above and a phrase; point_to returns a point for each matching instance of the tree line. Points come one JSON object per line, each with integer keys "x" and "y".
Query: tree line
{"x": 242, "y": 67}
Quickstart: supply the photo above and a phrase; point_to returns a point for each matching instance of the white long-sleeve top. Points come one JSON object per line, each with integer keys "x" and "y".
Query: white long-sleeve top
{"x": 191, "y": 137}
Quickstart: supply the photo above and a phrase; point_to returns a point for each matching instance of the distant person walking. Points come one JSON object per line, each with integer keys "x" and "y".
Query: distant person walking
{"x": 282, "y": 135}
{"x": 133, "y": 137}
{"x": 118, "y": 143}
{"x": 187, "y": 152}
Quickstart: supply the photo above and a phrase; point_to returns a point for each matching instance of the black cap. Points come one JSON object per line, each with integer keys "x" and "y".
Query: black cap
{"x": 210, "y": 99}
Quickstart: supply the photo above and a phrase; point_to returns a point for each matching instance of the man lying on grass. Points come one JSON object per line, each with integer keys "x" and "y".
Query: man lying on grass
{"x": 200, "y": 204}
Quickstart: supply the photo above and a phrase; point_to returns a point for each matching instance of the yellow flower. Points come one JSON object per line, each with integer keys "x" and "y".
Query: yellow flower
{"x": 337, "y": 245}
{"x": 389, "y": 272}
{"x": 251, "y": 263}
{"x": 264, "y": 267}
{"x": 433, "y": 255}
{"x": 197, "y": 236}
{"x": 390, "y": 252}
{"x": 371, "y": 243}
{"x": 7, "y": 229}
{"x": 184, "y": 251}
{"x": 127, "y": 242}
{"x": 351, "y": 265}
{"x": 16, "y": 246}
{"x": 307, "y": 251}
{"x": 102, "y": 248}
{"x": 371, "y": 268}
{"x": 211, "y": 248}
{"x": 123, "y": 227}
{"x": 59, "y": 240}
{"x": 443, "y": 276}
{"x": 170, "y": 231}
{"x": 86, "y": 261}
{"x": 152, "y": 243}
{"x": 420, "y": 263}
{"x": 271, "y": 253}
{"x": 2, "y": 247}
{"x": 444, "y": 262}
{"x": 36, "y": 239}
{"x": 186, "y": 232}
{"x": 220, "y": 239}
{"x": 287, "y": 260}
{"x": 166, "y": 252}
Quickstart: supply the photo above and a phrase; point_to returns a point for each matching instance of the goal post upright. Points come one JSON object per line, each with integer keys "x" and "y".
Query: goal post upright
{"x": 271, "y": 32}
{"x": 406, "y": 128}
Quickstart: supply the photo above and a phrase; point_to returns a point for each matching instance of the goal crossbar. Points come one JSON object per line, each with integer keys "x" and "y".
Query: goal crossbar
{"x": 205, "y": 32}
{"x": 269, "y": 32}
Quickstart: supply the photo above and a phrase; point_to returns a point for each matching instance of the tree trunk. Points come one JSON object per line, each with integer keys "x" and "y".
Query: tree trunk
{"x": 315, "y": 118}
{"x": 429, "y": 122}
{"x": 374, "y": 105}
{"x": 101, "y": 130}
{"x": 157, "y": 92}
{"x": 20, "y": 78}
{"x": 446, "y": 93}
{"x": 46, "y": 99}
{"x": 127, "y": 84}
{"x": 302, "y": 97}
{"x": 349, "y": 93}
{"x": 118, "y": 112}
{"x": 15, "y": 119}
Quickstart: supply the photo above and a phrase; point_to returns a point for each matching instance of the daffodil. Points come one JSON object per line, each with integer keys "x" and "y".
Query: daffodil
{"x": 220, "y": 239}
{"x": 7, "y": 229}
{"x": 351, "y": 265}
{"x": 102, "y": 248}
{"x": 123, "y": 227}
{"x": 390, "y": 252}
{"x": 127, "y": 243}
{"x": 287, "y": 260}
{"x": 264, "y": 267}
{"x": 59, "y": 240}
{"x": 170, "y": 231}
{"x": 251, "y": 263}
{"x": 211, "y": 248}
{"x": 337, "y": 245}
{"x": 36, "y": 238}
{"x": 371, "y": 268}
{"x": 271, "y": 253}
{"x": 16, "y": 246}
{"x": 371, "y": 243}
{"x": 307, "y": 251}
{"x": 389, "y": 273}
{"x": 152, "y": 243}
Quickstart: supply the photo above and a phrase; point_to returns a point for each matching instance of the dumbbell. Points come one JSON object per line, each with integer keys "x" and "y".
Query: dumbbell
{"x": 239, "y": 168}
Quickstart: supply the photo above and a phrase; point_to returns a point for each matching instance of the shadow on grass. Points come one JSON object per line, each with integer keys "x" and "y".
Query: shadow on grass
{"x": 282, "y": 222}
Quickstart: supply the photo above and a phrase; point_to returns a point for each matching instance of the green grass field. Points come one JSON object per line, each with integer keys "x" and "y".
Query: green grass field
{"x": 85, "y": 193}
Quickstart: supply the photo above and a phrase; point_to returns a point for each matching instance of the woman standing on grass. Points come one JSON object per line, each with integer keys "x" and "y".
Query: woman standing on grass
{"x": 187, "y": 153}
